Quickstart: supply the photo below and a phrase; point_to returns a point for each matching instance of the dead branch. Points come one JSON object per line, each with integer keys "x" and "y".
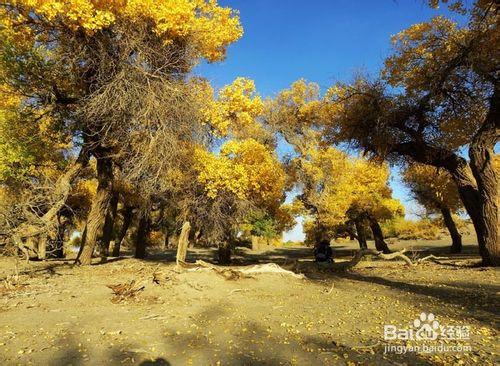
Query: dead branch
{"x": 364, "y": 252}
{"x": 432, "y": 258}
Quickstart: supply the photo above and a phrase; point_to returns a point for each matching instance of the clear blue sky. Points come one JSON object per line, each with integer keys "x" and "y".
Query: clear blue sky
{"x": 319, "y": 40}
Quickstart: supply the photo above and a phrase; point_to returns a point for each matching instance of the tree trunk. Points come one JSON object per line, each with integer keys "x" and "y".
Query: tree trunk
{"x": 481, "y": 153}
{"x": 456, "y": 246}
{"x": 141, "y": 238}
{"x": 361, "y": 234}
{"x": 42, "y": 247}
{"x": 476, "y": 182}
{"x": 56, "y": 245}
{"x": 473, "y": 203}
{"x": 183, "y": 243}
{"x": 378, "y": 236}
{"x": 127, "y": 219}
{"x": 109, "y": 225}
{"x": 224, "y": 253}
{"x": 94, "y": 229}
{"x": 165, "y": 240}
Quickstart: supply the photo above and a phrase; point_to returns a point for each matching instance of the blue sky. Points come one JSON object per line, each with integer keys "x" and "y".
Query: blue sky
{"x": 320, "y": 40}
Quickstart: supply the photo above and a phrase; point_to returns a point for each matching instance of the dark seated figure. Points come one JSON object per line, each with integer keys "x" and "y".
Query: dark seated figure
{"x": 323, "y": 252}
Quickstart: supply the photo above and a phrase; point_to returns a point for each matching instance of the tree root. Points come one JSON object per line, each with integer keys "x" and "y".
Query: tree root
{"x": 400, "y": 254}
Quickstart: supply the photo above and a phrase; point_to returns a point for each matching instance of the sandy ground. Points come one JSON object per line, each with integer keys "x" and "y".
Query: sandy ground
{"x": 56, "y": 314}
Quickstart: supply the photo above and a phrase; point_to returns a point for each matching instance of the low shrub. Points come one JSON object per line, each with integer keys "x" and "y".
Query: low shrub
{"x": 401, "y": 228}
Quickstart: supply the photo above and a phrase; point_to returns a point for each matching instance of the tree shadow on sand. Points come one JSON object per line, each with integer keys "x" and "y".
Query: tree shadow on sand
{"x": 256, "y": 347}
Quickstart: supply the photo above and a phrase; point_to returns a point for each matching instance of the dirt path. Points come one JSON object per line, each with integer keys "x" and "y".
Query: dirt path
{"x": 61, "y": 315}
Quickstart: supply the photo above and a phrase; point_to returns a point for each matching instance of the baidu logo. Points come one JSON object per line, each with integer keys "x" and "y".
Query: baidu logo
{"x": 426, "y": 327}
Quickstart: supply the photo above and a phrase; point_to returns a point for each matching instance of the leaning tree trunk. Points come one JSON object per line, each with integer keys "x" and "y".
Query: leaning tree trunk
{"x": 141, "y": 238}
{"x": 473, "y": 202}
{"x": 361, "y": 234}
{"x": 378, "y": 236}
{"x": 456, "y": 246}
{"x": 127, "y": 219}
{"x": 481, "y": 153}
{"x": 109, "y": 225}
{"x": 94, "y": 229}
{"x": 476, "y": 182}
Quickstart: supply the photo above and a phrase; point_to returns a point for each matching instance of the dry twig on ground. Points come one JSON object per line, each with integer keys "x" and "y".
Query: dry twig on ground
{"x": 124, "y": 291}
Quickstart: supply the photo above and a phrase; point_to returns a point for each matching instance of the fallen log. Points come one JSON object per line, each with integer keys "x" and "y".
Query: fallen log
{"x": 234, "y": 273}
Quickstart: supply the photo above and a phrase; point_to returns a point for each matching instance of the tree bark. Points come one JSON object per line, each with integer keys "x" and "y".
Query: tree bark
{"x": 378, "y": 236}
{"x": 476, "y": 182}
{"x": 109, "y": 225}
{"x": 94, "y": 229}
{"x": 55, "y": 245}
{"x": 141, "y": 238}
{"x": 127, "y": 219}
{"x": 481, "y": 153}
{"x": 361, "y": 234}
{"x": 456, "y": 246}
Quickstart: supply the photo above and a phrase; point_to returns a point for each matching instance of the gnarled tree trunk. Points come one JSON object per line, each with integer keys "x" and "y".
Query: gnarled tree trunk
{"x": 109, "y": 225}
{"x": 127, "y": 219}
{"x": 456, "y": 246}
{"x": 55, "y": 246}
{"x": 476, "y": 182}
{"x": 378, "y": 236}
{"x": 94, "y": 229}
{"x": 481, "y": 153}
{"x": 361, "y": 234}
{"x": 481, "y": 206}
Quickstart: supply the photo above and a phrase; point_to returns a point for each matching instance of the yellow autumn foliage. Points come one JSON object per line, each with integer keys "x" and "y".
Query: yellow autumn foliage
{"x": 27, "y": 149}
{"x": 296, "y": 112}
{"x": 235, "y": 109}
{"x": 341, "y": 187}
{"x": 209, "y": 27}
{"x": 245, "y": 168}
{"x": 432, "y": 187}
